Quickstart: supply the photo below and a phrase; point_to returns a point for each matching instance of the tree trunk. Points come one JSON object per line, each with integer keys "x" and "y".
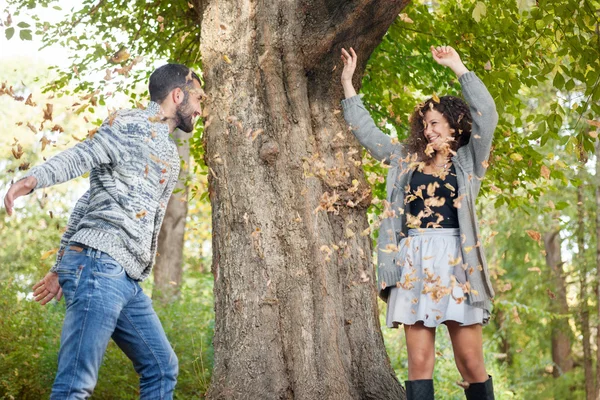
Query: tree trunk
{"x": 597, "y": 284}
{"x": 169, "y": 262}
{"x": 295, "y": 299}
{"x": 560, "y": 336}
{"x": 583, "y": 297}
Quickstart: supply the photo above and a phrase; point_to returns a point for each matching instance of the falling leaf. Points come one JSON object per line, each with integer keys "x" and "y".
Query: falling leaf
{"x": 535, "y": 235}
{"x": 121, "y": 55}
{"x": 545, "y": 172}
{"x": 479, "y": 11}
{"x": 516, "y": 157}
{"x": 31, "y": 127}
{"x": 488, "y": 66}
{"x": 24, "y": 166}
{"x": 435, "y": 97}
{"x": 141, "y": 214}
{"x": 18, "y": 152}
{"x": 92, "y": 132}
{"x": 551, "y": 294}
{"x": 515, "y": 315}
{"x": 48, "y": 254}
{"x": 182, "y": 39}
{"x": 57, "y": 128}
{"x": 29, "y": 101}
{"x": 45, "y": 141}
{"x": 404, "y": 18}
{"x": 463, "y": 384}
{"x": 594, "y": 123}
{"x": 535, "y": 269}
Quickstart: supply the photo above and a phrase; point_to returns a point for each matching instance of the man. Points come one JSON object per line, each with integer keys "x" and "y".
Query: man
{"x": 111, "y": 237}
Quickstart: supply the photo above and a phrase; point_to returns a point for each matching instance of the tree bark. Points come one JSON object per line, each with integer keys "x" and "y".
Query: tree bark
{"x": 169, "y": 261}
{"x": 560, "y": 336}
{"x": 295, "y": 299}
{"x": 597, "y": 284}
{"x": 583, "y": 297}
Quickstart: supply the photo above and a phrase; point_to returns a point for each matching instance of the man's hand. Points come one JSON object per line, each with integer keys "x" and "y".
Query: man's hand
{"x": 47, "y": 289}
{"x": 21, "y": 188}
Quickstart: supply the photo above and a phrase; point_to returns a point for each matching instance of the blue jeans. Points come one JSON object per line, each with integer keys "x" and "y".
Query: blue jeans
{"x": 103, "y": 302}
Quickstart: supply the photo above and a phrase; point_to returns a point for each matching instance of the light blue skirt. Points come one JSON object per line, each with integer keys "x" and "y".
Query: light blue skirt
{"x": 428, "y": 290}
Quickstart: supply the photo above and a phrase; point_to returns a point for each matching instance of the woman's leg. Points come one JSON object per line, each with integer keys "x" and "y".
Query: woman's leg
{"x": 467, "y": 343}
{"x": 420, "y": 345}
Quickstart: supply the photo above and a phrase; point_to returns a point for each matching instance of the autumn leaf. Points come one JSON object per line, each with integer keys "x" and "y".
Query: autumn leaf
{"x": 31, "y": 127}
{"x": 141, "y": 214}
{"x": 594, "y": 123}
{"x": 226, "y": 59}
{"x": 535, "y": 269}
{"x": 545, "y": 172}
{"x": 45, "y": 141}
{"x": 515, "y": 315}
{"x": 435, "y": 97}
{"x": 24, "y": 166}
{"x": 535, "y": 235}
{"x": 404, "y": 18}
{"x": 29, "y": 101}
{"x": 479, "y": 11}
{"x": 57, "y": 128}
{"x": 48, "y": 254}
{"x": 121, "y": 55}
{"x": 18, "y": 152}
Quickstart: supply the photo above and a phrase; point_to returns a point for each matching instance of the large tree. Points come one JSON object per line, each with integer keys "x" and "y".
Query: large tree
{"x": 295, "y": 299}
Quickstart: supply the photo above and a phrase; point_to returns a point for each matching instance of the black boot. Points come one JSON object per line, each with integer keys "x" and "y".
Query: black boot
{"x": 421, "y": 389}
{"x": 480, "y": 390}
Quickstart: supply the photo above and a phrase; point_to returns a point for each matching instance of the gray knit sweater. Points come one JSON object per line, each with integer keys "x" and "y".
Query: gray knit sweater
{"x": 134, "y": 166}
{"x": 470, "y": 169}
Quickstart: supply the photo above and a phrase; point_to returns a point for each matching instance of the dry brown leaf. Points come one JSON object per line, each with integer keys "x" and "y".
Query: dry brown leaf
{"x": 48, "y": 254}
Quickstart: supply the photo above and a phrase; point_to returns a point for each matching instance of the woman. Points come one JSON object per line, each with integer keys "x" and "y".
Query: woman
{"x": 431, "y": 266}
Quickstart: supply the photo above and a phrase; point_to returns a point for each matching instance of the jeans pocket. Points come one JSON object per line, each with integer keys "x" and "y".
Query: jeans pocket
{"x": 69, "y": 271}
{"x": 108, "y": 267}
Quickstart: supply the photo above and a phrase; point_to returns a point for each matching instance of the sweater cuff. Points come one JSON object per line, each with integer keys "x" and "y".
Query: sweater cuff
{"x": 40, "y": 175}
{"x": 467, "y": 77}
{"x": 352, "y": 101}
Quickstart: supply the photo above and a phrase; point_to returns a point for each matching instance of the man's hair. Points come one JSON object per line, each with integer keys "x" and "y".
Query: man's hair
{"x": 168, "y": 77}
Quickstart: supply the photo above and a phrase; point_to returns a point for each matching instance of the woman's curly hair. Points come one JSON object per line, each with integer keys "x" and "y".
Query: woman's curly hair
{"x": 456, "y": 112}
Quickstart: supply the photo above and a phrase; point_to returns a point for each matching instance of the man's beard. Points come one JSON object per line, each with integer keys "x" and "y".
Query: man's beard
{"x": 184, "y": 118}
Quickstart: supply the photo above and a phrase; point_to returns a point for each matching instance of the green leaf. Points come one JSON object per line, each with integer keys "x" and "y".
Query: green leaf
{"x": 559, "y": 81}
{"x": 23, "y": 25}
{"x": 25, "y": 34}
{"x": 479, "y": 11}
{"x": 9, "y": 32}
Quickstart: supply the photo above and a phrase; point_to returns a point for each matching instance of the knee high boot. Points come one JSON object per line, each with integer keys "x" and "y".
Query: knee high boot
{"x": 480, "y": 390}
{"x": 421, "y": 389}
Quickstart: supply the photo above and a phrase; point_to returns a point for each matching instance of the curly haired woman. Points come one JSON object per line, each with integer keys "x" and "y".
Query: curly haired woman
{"x": 431, "y": 266}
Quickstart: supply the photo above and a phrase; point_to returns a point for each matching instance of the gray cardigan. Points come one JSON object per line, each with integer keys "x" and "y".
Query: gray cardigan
{"x": 470, "y": 163}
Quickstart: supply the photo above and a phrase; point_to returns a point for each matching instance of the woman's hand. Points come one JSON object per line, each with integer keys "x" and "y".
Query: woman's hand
{"x": 448, "y": 57}
{"x": 348, "y": 72}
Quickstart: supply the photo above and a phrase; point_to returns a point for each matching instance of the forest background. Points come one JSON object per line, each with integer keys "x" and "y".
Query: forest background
{"x": 539, "y": 208}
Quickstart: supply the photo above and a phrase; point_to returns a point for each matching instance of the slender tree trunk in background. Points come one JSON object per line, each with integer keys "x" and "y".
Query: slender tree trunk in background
{"x": 169, "y": 262}
{"x": 295, "y": 298}
{"x": 597, "y": 284}
{"x": 560, "y": 337}
{"x": 583, "y": 298}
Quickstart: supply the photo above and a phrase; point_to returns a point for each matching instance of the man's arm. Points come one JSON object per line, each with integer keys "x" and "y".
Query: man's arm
{"x": 104, "y": 147}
